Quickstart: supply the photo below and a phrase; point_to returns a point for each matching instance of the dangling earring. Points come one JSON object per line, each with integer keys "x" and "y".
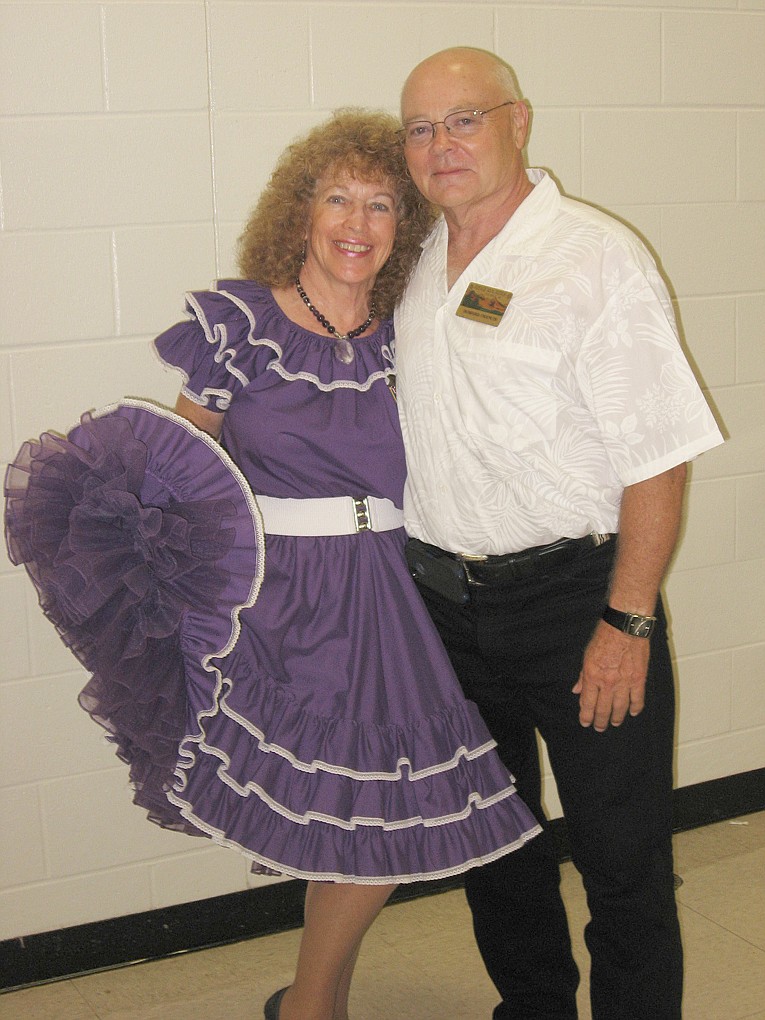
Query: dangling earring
{"x": 303, "y": 253}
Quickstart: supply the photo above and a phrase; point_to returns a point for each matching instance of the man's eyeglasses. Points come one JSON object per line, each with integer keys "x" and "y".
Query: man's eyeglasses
{"x": 461, "y": 124}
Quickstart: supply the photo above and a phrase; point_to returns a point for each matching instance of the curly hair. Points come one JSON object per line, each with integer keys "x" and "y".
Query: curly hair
{"x": 356, "y": 142}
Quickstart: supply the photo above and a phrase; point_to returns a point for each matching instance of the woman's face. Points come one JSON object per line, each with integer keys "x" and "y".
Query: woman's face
{"x": 351, "y": 229}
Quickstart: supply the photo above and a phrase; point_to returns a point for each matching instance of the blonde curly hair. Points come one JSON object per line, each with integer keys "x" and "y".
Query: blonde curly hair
{"x": 357, "y": 142}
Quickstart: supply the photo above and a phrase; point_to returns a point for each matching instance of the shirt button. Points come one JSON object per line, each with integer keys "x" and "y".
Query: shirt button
{"x": 436, "y": 398}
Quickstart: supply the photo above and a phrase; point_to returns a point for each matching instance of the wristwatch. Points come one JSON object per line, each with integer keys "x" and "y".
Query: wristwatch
{"x": 630, "y": 623}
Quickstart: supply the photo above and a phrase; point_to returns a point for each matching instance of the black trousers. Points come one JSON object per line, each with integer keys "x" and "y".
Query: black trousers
{"x": 517, "y": 651}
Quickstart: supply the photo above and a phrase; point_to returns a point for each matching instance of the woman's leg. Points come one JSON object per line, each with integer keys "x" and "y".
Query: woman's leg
{"x": 337, "y": 916}
{"x": 344, "y": 987}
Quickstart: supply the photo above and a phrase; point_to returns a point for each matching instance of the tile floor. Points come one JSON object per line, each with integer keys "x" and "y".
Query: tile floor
{"x": 419, "y": 961}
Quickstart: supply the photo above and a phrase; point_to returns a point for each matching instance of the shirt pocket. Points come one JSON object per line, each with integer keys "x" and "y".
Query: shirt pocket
{"x": 507, "y": 392}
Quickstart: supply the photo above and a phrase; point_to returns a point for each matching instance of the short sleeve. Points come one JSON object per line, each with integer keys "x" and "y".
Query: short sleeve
{"x": 650, "y": 410}
{"x": 211, "y": 349}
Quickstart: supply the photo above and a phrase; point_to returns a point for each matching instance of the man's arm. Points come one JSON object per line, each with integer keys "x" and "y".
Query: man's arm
{"x": 612, "y": 681}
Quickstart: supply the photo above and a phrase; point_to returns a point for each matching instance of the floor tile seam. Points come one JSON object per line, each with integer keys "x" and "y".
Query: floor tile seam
{"x": 739, "y": 855}
{"x": 95, "y": 1013}
{"x": 406, "y": 957}
{"x": 423, "y": 944}
{"x": 722, "y": 927}
{"x": 387, "y": 941}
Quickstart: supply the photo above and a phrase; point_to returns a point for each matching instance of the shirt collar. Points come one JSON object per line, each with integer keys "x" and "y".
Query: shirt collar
{"x": 526, "y": 226}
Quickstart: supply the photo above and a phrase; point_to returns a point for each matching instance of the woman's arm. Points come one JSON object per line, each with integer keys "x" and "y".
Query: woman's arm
{"x": 208, "y": 421}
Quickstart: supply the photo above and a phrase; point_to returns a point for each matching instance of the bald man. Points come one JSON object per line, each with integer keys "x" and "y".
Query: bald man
{"x": 548, "y": 414}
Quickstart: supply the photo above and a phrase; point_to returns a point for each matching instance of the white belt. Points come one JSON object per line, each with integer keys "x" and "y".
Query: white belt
{"x": 336, "y": 515}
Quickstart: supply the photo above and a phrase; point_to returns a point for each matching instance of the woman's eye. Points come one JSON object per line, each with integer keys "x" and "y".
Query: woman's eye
{"x": 337, "y": 199}
{"x": 380, "y": 207}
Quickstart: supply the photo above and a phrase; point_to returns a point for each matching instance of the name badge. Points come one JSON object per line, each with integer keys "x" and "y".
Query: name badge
{"x": 484, "y": 304}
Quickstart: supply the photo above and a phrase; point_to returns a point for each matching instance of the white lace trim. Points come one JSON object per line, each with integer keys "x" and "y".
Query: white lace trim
{"x": 217, "y": 336}
{"x": 338, "y": 384}
{"x": 222, "y": 840}
{"x": 219, "y": 704}
{"x": 223, "y": 398}
{"x": 278, "y": 367}
{"x": 474, "y": 800}
{"x": 338, "y": 770}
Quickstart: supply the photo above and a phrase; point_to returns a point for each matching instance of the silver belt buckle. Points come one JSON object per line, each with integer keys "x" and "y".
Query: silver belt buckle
{"x": 466, "y": 559}
{"x": 362, "y": 512}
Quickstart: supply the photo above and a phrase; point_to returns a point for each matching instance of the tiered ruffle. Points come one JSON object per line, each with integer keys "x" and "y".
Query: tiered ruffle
{"x": 315, "y": 820}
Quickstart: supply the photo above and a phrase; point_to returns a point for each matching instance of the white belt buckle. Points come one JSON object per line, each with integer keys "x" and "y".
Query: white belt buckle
{"x": 362, "y": 514}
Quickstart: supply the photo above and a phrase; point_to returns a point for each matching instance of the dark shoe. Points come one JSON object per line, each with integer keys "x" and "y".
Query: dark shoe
{"x": 271, "y": 1008}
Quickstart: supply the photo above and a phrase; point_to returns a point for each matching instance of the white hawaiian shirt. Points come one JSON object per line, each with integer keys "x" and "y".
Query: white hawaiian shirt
{"x": 526, "y": 432}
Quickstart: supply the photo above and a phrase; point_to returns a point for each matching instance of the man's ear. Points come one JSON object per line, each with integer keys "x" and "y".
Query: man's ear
{"x": 520, "y": 119}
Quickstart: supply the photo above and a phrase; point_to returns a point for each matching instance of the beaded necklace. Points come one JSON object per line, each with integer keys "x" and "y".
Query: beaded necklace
{"x": 343, "y": 348}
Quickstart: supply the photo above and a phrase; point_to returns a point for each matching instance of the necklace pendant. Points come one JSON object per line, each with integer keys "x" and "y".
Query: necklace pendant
{"x": 344, "y": 351}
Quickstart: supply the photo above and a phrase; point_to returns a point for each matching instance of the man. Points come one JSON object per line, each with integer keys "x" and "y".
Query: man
{"x": 548, "y": 414}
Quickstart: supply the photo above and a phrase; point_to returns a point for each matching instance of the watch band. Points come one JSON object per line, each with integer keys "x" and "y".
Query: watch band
{"x": 630, "y": 623}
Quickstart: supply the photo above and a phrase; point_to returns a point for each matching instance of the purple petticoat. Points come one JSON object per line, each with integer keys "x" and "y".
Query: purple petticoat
{"x": 135, "y": 522}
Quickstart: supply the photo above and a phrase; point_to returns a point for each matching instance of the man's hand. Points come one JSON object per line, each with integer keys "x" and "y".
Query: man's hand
{"x": 615, "y": 665}
{"x": 612, "y": 680}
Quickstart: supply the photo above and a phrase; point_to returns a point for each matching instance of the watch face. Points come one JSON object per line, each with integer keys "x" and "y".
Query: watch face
{"x": 630, "y": 623}
{"x": 641, "y": 628}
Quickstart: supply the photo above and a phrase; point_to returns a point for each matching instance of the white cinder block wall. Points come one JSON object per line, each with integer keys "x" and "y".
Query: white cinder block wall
{"x": 134, "y": 137}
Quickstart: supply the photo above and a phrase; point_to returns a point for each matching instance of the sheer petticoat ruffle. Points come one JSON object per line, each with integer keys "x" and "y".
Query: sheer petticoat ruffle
{"x": 145, "y": 544}
{"x": 108, "y": 526}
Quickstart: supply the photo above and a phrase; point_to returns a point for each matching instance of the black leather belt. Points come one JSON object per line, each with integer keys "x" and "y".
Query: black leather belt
{"x": 498, "y": 570}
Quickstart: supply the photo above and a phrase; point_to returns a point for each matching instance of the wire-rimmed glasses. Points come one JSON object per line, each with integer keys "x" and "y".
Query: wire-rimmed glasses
{"x": 461, "y": 124}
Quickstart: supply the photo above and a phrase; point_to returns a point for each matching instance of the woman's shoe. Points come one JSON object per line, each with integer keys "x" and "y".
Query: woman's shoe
{"x": 271, "y": 1008}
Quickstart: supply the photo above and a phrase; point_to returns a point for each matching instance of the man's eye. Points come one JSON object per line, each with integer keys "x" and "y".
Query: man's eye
{"x": 464, "y": 120}
{"x": 419, "y": 130}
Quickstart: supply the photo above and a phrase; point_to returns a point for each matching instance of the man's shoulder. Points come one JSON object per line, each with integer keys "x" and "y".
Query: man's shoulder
{"x": 579, "y": 216}
{"x": 595, "y": 241}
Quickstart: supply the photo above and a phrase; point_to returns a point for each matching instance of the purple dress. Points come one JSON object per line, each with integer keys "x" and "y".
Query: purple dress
{"x": 325, "y": 733}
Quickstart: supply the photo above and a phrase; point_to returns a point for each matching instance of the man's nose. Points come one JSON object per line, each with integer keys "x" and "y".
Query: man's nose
{"x": 441, "y": 136}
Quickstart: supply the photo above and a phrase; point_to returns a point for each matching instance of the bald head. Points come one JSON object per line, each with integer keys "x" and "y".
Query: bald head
{"x": 467, "y": 64}
{"x": 478, "y": 173}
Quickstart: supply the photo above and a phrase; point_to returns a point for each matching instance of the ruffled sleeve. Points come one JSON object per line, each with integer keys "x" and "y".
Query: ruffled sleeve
{"x": 212, "y": 349}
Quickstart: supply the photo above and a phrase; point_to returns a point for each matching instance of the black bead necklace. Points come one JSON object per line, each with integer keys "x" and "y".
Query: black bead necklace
{"x": 327, "y": 324}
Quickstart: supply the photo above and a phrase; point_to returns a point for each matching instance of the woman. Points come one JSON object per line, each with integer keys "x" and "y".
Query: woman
{"x": 325, "y": 736}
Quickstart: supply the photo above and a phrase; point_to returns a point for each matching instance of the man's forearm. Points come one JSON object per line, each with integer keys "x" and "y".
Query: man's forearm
{"x": 649, "y": 523}
{"x": 613, "y": 676}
